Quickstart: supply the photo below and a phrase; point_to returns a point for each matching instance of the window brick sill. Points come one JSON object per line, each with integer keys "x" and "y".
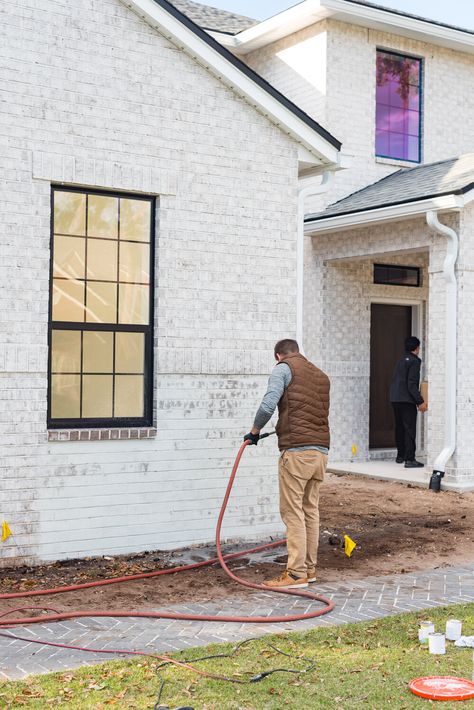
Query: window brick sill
{"x": 101, "y": 434}
{"x": 398, "y": 163}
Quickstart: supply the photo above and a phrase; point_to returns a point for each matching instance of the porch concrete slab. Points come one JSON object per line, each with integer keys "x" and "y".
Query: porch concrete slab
{"x": 383, "y": 470}
{"x": 355, "y": 600}
{"x": 391, "y": 471}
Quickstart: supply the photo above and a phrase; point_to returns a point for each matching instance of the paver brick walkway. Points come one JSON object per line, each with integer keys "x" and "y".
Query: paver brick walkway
{"x": 358, "y": 600}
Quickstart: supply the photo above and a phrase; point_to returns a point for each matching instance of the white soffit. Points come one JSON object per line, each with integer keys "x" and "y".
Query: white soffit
{"x": 322, "y": 150}
{"x": 308, "y": 12}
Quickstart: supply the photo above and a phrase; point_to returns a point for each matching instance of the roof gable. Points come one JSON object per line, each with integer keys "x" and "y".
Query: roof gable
{"x": 318, "y": 145}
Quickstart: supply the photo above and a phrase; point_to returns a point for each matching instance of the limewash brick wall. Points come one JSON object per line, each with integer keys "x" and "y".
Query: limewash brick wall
{"x": 338, "y": 293}
{"x": 342, "y": 290}
{"x": 465, "y": 357}
{"x": 92, "y": 96}
{"x": 346, "y": 107}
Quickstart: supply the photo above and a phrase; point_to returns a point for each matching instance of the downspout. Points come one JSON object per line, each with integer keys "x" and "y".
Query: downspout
{"x": 439, "y": 466}
{"x": 303, "y": 193}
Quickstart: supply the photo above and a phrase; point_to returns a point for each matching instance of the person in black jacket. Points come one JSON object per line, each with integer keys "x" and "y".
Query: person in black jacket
{"x": 406, "y": 402}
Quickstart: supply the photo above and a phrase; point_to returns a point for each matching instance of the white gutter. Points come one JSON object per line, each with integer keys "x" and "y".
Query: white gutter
{"x": 449, "y": 265}
{"x": 304, "y": 192}
{"x": 407, "y": 210}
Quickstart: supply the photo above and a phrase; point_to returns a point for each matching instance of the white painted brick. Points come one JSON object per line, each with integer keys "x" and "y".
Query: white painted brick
{"x": 92, "y": 96}
{"x": 341, "y": 94}
{"x": 337, "y": 295}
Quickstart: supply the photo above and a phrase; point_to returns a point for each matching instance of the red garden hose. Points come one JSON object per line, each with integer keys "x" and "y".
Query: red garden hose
{"x": 59, "y": 616}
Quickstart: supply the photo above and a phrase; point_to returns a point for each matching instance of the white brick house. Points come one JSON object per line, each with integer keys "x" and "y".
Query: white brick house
{"x": 134, "y": 145}
{"x": 398, "y": 90}
{"x": 131, "y": 140}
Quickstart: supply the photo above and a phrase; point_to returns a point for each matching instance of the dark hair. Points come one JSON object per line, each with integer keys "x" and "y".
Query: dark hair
{"x": 285, "y": 347}
{"x": 411, "y": 344}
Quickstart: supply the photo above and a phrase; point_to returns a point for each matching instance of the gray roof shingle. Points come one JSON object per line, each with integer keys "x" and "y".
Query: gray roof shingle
{"x": 446, "y": 177}
{"x": 210, "y": 18}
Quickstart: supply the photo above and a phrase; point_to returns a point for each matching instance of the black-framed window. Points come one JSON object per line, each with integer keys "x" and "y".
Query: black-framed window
{"x": 101, "y": 309}
{"x": 396, "y": 275}
{"x": 398, "y": 122}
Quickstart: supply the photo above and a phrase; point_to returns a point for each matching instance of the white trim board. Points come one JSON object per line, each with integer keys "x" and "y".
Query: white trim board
{"x": 405, "y": 210}
{"x": 417, "y": 328}
{"x": 309, "y": 12}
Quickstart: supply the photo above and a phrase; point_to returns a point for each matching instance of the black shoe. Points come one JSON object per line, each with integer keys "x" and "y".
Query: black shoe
{"x": 399, "y": 459}
{"x": 414, "y": 464}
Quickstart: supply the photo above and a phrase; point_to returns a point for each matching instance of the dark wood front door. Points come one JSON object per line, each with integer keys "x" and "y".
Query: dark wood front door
{"x": 389, "y": 326}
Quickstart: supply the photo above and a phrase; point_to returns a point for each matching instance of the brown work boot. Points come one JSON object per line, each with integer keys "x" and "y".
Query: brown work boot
{"x": 311, "y": 576}
{"x": 286, "y": 580}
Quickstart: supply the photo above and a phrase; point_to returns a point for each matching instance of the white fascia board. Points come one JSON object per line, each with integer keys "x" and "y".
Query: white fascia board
{"x": 309, "y": 12}
{"x": 285, "y": 23}
{"x": 386, "y": 21}
{"x": 408, "y": 210}
{"x": 323, "y": 152}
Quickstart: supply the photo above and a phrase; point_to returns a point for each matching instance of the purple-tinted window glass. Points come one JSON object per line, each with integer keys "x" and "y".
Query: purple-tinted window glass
{"x": 383, "y": 93}
{"x": 383, "y": 117}
{"x": 398, "y": 121}
{"x": 398, "y": 113}
{"x": 413, "y": 123}
{"x": 383, "y": 142}
{"x": 413, "y": 148}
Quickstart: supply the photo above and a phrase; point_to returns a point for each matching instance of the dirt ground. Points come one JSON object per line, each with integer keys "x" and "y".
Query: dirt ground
{"x": 397, "y": 528}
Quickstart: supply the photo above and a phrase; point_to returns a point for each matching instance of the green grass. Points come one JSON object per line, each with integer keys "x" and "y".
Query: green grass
{"x": 357, "y": 666}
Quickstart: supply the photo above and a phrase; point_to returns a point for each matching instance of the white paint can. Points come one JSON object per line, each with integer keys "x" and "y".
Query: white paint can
{"x": 425, "y": 628}
{"x": 453, "y": 629}
{"x": 437, "y": 644}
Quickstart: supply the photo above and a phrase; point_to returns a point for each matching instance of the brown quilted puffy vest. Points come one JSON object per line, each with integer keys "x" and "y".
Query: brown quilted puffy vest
{"x": 304, "y": 407}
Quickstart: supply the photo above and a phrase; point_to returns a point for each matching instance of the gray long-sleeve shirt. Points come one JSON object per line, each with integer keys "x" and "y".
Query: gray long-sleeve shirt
{"x": 278, "y": 381}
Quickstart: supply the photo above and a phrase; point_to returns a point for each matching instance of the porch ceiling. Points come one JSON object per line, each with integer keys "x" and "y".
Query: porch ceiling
{"x": 384, "y": 256}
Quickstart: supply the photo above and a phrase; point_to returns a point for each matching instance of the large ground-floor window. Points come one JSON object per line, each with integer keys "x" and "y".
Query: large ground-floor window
{"x": 101, "y": 310}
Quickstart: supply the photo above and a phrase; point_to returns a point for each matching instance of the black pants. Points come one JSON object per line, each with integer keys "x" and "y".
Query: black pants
{"x": 405, "y": 429}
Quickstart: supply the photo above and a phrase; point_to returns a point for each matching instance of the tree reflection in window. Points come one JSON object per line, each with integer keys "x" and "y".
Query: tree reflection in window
{"x": 398, "y": 107}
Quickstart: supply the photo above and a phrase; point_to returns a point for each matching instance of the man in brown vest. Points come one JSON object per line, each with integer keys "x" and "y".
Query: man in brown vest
{"x": 301, "y": 392}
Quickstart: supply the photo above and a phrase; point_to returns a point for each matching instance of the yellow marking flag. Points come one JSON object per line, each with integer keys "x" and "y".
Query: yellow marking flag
{"x": 6, "y": 532}
{"x": 349, "y": 545}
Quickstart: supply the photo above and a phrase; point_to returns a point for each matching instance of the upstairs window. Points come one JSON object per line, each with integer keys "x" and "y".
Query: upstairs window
{"x": 100, "y": 328}
{"x": 398, "y": 107}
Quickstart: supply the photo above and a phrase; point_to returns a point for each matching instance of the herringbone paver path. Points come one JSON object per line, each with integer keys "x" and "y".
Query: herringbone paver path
{"x": 357, "y": 600}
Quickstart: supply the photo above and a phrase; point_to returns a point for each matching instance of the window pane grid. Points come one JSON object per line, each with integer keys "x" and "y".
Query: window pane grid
{"x": 107, "y": 259}
{"x": 114, "y": 373}
{"x": 111, "y": 269}
{"x": 398, "y": 113}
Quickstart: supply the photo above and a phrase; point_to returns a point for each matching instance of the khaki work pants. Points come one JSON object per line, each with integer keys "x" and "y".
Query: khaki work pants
{"x": 300, "y": 474}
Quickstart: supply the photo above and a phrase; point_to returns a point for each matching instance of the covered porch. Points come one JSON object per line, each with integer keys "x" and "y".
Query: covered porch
{"x": 388, "y": 262}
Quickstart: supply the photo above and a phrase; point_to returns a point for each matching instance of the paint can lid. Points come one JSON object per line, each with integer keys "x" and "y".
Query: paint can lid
{"x": 442, "y": 688}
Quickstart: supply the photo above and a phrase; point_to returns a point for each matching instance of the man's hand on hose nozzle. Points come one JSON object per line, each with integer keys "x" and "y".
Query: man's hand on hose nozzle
{"x": 252, "y": 438}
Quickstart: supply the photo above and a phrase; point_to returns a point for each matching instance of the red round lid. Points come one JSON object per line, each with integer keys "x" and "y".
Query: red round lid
{"x": 442, "y": 688}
